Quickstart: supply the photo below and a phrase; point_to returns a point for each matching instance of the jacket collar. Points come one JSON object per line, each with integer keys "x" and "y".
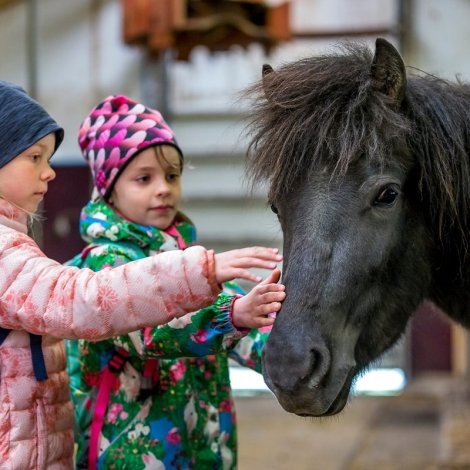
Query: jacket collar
{"x": 13, "y": 217}
{"x": 100, "y": 222}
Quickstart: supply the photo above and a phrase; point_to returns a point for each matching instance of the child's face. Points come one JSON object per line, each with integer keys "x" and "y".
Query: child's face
{"x": 148, "y": 191}
{"x": 24, "y": 180}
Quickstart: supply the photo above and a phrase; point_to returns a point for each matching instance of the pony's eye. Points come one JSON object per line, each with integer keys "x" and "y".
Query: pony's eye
{"x": 274, "y": 209}
{"x": 387, "y": 196}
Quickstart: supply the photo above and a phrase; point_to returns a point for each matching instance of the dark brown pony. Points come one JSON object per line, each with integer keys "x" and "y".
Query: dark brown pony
{"x": 369, "y": 175}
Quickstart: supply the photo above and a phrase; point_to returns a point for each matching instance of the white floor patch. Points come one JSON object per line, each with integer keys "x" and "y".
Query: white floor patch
{"x": 383, "y": 381}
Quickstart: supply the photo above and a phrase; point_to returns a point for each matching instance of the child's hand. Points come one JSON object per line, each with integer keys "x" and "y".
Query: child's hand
{"x": 235, "y": 263}
{"x": 258, "y": 308}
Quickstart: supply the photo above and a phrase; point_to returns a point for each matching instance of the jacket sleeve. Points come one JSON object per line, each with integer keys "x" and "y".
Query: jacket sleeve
{"x": 201, "y": 333}
{"x": 41, "y": 296}
{"x": 206, "y": 331}
{"x": 248, "y": 351}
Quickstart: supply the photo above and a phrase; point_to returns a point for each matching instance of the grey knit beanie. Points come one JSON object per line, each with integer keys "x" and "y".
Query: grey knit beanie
{"x": 23, "y": 121}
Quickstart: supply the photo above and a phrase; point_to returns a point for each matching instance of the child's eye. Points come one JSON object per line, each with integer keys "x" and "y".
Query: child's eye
{"x": 172, "y": 176}
{"x": 143, "y": 179}
{"x": 35, "y": 157}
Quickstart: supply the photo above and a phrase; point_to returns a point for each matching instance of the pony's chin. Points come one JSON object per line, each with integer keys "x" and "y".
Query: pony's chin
{"x": 315, "y": 402}
{"x": 313, "y": 409}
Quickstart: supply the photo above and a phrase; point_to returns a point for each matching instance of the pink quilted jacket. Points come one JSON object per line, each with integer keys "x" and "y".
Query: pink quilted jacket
{"x": 41, "y": 296}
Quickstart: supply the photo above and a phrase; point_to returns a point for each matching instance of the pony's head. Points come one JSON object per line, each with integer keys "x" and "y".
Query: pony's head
{"x": 370, "y": 204}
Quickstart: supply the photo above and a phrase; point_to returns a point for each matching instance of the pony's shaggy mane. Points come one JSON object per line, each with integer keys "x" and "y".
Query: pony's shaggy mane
{"x": 323, "y": 111}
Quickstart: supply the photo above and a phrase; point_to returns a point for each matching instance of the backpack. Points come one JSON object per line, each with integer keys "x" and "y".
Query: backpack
{"x": 110, "y": 372}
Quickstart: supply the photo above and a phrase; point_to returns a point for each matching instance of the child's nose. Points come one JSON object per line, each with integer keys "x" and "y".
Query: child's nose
{"x": 48, "y": 174}
{"x": 162, "y": 188}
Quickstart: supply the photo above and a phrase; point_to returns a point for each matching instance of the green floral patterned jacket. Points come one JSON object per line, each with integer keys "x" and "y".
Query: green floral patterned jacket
{"x": 181, "y": 414}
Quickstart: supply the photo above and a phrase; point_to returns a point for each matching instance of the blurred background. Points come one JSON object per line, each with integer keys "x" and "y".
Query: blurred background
{"x": 190, "y": 59}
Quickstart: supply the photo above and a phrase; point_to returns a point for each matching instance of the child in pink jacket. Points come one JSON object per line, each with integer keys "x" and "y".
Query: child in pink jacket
{"x": 42, "y": 301}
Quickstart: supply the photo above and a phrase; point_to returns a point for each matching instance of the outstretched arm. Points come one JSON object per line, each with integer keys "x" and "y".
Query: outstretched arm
{"x": 215, "y": 328}
{"x": 43, "y": 297}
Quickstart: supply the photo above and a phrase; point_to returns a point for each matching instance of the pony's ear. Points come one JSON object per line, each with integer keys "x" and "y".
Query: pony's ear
{"x": 388, "y": 71}
{"x": 267, "y": 69}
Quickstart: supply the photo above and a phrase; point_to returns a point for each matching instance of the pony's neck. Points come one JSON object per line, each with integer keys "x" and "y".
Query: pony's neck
{"x": 450, "y": 289}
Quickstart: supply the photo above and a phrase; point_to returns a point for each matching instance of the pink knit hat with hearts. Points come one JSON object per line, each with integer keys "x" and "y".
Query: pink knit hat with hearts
{"x": 116, "y": 130}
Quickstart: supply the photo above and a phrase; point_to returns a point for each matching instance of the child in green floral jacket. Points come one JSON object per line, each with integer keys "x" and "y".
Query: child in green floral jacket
{"x": 159, "y": 398}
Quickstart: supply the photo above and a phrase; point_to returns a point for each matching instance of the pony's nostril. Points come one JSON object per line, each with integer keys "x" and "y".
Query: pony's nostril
{"x": 320, "y": 362}
{"x": 316, "y": 363}
{"x": 291, "y": 371}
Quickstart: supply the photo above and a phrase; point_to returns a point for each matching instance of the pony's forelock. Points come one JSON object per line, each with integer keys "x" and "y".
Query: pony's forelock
{"x": 316, "y": 109}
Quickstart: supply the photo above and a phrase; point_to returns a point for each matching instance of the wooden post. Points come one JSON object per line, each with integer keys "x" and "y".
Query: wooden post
{"x": 136, "y": 20}
{"x": 278, "y": 22}
{"x": 460, "y": 356}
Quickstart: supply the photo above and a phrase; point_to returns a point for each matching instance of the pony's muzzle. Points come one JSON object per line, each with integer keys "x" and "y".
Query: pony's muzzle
{"x": 290, "y": 366}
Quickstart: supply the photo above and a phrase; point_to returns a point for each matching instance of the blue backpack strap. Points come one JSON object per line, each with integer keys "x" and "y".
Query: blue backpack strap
{"x": 3, "y": 334}
{"x": 35, "y": 342}
{"x": 39, "y": 365}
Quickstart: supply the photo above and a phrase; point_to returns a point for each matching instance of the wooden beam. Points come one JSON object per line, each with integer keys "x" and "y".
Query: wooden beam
{"x": 5, "y": 3}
